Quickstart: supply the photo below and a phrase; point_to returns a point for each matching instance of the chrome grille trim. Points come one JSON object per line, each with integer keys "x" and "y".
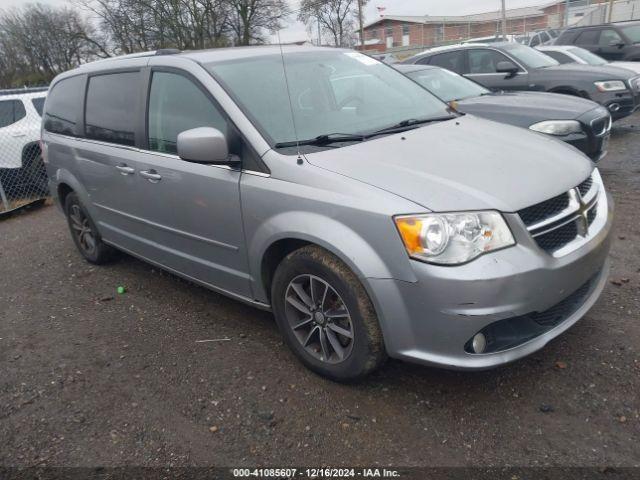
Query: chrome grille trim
{"x": 606, "y": 126}
{"x": 586, "y": 210}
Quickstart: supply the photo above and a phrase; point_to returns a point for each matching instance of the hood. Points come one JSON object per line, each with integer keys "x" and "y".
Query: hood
{"x": 595, "y": 72}
{"x": 526, "y": 108}
{"x": 633, "y": 66}
{"x": 463, "y": 164}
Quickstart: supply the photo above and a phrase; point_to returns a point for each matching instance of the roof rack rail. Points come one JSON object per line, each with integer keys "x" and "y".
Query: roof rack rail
{"x": 17, "y": 91}
{"x": 167, "y": 51}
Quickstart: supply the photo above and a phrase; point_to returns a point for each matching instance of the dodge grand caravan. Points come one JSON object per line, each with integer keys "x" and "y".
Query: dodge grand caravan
{"x": 330, "y": 188}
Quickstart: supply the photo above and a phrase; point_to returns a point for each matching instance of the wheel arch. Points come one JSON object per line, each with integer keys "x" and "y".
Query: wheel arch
{"x": 268, "y": 249}
{"x": 569, "y": 90}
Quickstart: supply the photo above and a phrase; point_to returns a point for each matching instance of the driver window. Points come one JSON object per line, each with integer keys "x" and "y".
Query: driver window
{"x": 176, "y": 104}
{"x": 609, "y": 37}
{"x": 485, "y": 61}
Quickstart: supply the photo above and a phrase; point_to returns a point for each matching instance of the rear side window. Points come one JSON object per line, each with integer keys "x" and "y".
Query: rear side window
{"x": 112, "y": 101}
{"x": 588, "y": 37}
{"x": 177, "y": 104}
{"x": 559, "y": 56}
{"x": 11, "y": 111}
{"x": 453, "y": 61}
{"x": 38, "y": 104}
{"x": 63, "y": 105}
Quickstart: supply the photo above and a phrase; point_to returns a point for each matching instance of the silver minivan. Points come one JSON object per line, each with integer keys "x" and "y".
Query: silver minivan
{"x": 325, "y": 186}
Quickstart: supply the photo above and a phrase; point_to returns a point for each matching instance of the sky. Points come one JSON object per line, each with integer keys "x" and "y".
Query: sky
{"x": 296, "y": 31}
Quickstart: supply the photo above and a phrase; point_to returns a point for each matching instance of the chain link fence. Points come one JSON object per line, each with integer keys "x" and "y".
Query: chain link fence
{"x": 23, "y": 178}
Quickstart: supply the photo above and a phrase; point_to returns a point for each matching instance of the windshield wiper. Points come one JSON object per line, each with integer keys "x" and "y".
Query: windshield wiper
{"x": 408, "y": 124}
{"x": 321, "y": 140}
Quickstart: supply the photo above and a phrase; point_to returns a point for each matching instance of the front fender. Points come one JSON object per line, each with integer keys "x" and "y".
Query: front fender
{"x": 336, "y": 237}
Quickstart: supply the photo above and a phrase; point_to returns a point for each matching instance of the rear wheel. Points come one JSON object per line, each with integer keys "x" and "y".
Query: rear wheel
{"x": 326, "y": 316}
{"x": 84, "y": 232}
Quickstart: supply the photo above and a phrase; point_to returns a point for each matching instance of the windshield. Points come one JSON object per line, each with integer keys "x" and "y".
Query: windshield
{"x": 331, "y": 91}
{"x": 632, "y": 32}
{"x": 530, "y": 57}
{"x": 587, "y": 56}
{"x": 447, "y": 85}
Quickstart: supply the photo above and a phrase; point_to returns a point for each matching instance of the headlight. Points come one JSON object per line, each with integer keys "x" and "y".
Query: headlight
{"x": 557, "y": 127}
{"x": 453, "y": 238}
{"x": 611, "y": 86}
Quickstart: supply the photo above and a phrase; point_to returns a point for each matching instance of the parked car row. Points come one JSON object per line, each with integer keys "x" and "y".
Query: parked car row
{"x": 577, "y": 121}
{"x": 372, "y": 218}
{"x": 511, "y": 66}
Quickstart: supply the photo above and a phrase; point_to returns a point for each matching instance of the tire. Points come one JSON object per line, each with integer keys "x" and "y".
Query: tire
{"x": 84, "y": 232}
{"x": 307, "y": 277}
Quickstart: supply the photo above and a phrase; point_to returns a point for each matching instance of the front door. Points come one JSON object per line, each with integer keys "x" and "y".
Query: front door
{"x": 188, "y": 214}
{"x": 611, "y": 45}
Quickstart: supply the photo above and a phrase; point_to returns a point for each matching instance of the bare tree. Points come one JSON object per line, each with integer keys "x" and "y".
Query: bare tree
{"x": 38, "y": 42}
{"x": 337, "y": 18}
{"x": 250, "y": 20}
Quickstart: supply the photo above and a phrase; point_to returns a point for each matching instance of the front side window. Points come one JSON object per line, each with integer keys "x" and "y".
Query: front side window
{"x": 38, "y": 104}
{"x": 11, "y": 111}
{"x": 176, "y": 104}
{"x": 453, "y": 61}
{"x": 112, "y": 101}
{"x": 535, "y": 41}
{"x": 485, "y": 61}
{"x": 330, "y": 91}
{"x": 609, "y": 37}
{"x": 632, "y": 32}
{"x": 60, "y": 115}
{"x": 447, "y": 85}
{"x": 529, "y": 57}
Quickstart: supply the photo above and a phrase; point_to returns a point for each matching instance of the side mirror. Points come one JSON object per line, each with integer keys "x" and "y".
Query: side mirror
{"x": 617, "y": 44}
{"x": 507, "y": 67}
{"x": 204, "y": 145}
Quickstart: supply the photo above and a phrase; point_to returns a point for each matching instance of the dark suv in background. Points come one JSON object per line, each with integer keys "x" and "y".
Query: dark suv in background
{"x": 613, "y": 41}
{"x": 511, "y": 66}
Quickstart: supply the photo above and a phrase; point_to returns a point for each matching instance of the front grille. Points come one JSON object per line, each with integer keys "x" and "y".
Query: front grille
{"x": 558, "y": 221}
{"x": 558, "y": 238}
{"x": 591, "y": 214}
{"x": 585, "y": 186}
{"x": 544, "y": 210}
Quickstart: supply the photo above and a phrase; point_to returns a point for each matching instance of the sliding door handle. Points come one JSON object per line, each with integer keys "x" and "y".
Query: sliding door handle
{"x": 125, "y": 170}
{"x": 151, "y": 175}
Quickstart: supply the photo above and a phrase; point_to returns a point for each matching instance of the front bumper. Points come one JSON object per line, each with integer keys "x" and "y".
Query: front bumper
{"x": 430, "y": 321}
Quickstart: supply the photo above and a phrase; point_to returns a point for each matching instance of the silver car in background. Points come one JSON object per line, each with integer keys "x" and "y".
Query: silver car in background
{"x": 328, "y": 187}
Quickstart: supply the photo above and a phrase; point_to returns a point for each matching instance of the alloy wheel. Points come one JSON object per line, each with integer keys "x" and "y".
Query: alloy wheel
{"x": 82, "y": 229}
{"x": 319, "y": 318}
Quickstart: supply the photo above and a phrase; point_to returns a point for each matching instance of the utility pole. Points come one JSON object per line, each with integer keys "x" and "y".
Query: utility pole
{"x": 566, "y": 13}
{"x": 361, "y": 26}
{"x": 504, "y": 20}
{"x": 610, "y": 10}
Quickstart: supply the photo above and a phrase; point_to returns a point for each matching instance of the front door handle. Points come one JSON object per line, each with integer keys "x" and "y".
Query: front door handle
{"x": 151, "y": 175}
{"x": 125, "y": 170}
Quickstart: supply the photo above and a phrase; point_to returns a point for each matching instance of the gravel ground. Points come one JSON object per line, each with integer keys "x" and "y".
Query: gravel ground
{"x": 90, "y": 377}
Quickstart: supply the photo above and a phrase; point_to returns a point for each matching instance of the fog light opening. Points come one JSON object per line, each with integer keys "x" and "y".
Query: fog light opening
{"x": 614, "y": 107}
{"x": 479, "y": 343}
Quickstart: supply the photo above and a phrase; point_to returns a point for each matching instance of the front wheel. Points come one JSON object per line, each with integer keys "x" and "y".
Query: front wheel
{"x": 326, "y": 316}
